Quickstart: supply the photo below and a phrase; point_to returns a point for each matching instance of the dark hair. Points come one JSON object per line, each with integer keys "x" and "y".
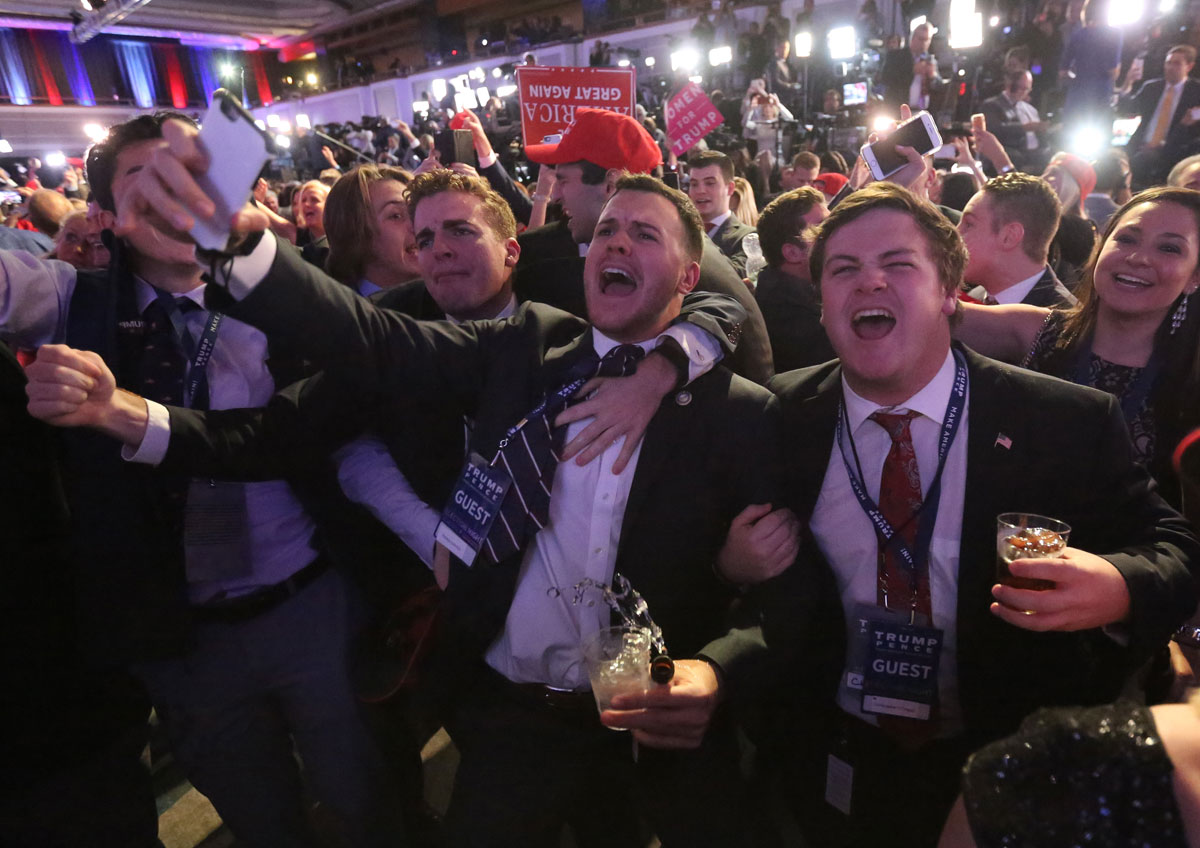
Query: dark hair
{"x": 945, "y": 245}
{"x": 957, "y": 189}
{"x": 1017, "y": 196}
{"x": 350, "y": 222}
{"x": 783, "y": 220}
{"x": 708, "y": 158}
{"x": 101, "y": 165}
{"x": 496, "y": 210}
{"x": 1110, "y": 173}
{"x": 591, "y": 173}
{"x": 689, "y": 218}
{"x": 834, "y": 162}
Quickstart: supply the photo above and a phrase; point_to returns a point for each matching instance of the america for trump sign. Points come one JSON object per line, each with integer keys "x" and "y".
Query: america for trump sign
{"x": 550, "y": 96}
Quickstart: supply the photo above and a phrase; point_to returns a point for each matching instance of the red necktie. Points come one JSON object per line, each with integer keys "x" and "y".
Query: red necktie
{"x": 900, "y": 503}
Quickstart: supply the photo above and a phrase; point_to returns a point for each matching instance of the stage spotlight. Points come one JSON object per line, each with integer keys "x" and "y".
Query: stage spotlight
{"x": 843, "y": 42}
{"x": 804, "y": 44}
{"x": 686, "y": 59}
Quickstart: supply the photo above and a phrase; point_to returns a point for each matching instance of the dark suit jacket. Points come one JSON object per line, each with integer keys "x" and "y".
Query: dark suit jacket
{"x": 1069, "y": 457}
{"x": 679, "y": 509}
{"x": 59, "y": 709}
{"x": 752, "y": 359}
{"x": 1003, "y": 122}
{"x": 793, "y": 317}
{"x": 896, "y": 77}
{"x": 1047, "y": 292}
{"x": 728, "y": 238}
{"x": 1145, "y": 101}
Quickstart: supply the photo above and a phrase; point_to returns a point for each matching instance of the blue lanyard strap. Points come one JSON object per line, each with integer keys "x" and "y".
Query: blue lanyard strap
{"x": 199, "y": 352}
{"x": 585, "y": 369}
{"x": 927, "y": 516}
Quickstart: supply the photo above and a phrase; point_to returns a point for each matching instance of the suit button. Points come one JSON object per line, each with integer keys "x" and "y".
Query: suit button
{"x": 683, "y": 398}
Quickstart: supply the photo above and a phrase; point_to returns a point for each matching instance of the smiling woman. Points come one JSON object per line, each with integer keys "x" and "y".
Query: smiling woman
{"x": 1135, "y": 332}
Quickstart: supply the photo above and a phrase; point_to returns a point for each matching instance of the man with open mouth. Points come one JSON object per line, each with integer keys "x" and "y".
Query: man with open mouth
{"x": 901, "y": 453}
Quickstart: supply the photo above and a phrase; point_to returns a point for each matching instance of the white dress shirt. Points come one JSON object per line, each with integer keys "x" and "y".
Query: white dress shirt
{"x": 847, "y": 539}
{"x": 716, "y": 223}
{"x": 1017, "y": 292}
{"x": 542, "y": 636}
{"x": 35, "y": 295}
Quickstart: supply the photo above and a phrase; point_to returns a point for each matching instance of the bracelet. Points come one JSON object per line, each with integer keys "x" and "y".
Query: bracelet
{"x": 1188, "y": 635}
{"x": 537, "y": 196}
{"x": 1007, "y": 169}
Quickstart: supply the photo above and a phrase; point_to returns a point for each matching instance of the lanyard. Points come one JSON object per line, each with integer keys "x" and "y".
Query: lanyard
{"x": 927, "y": 515}
{"x": 196, "y": 386}
{"x": 588, "y": 368}
{"x": 1134, "y": 396}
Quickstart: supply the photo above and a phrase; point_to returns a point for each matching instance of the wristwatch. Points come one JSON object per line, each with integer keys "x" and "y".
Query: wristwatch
{"x": 1188, "y": 635}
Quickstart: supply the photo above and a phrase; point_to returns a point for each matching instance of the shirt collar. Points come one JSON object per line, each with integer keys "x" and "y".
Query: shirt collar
{"x": 717, "y": 221}
{"x": 1017, "y": 291}
{"x": 506, "y": 312}
{"x": 147, "y": 294}
{"x": 603, "y": 344}
{"x": 931, "y": 401}
{"x": 583, "y": 248}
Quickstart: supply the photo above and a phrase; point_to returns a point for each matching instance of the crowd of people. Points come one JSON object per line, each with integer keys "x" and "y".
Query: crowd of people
{"x": 349, "y": 478}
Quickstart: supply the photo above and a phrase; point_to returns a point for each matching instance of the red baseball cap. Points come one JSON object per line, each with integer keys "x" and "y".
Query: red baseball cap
{"x": 1080, "y": 171}
{"x": 831, "y": 182}
{"x": 603, "y": 138}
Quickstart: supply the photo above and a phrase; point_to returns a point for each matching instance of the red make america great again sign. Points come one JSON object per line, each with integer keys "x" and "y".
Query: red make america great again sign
{"x": 550, "y": 96}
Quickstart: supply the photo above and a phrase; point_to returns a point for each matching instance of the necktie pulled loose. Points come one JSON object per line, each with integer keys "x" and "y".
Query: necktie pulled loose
{"x": 531, "y": 457}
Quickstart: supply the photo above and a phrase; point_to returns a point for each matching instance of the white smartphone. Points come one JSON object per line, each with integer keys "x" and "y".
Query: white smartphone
{"x": 237, "y": 151}
{"x": 919, "y": 132}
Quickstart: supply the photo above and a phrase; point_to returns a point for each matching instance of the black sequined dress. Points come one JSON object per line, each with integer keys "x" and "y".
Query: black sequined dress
{"x": 1075, "y": 777}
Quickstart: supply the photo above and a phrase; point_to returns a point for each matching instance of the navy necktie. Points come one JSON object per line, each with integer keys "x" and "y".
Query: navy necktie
{"x": 531, "y": 458}
{"x": 164, "y": 360}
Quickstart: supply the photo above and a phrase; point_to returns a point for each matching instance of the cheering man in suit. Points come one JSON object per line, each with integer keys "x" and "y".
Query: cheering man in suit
{"x": 595, "y": 150}
{"x": 1007, "y": 228}
{"x": 710, "y": 187}
{"x": 907, "y": 655}
{"x": 533, "y": 753}
{"x": 1168, "y": 130}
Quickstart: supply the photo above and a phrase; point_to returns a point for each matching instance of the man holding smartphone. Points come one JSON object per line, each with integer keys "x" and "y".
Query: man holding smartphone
{"x": 238, "y": 628}
{"x": 910, "y": 74}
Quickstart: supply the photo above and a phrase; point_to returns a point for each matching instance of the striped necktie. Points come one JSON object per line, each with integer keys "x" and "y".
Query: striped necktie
{"x": 530, "y": 458}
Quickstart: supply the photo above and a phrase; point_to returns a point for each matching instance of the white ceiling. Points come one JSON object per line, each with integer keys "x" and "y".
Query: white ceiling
{"x": 261, "y": 19}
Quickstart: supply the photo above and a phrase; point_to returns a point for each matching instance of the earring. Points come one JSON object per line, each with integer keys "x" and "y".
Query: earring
{"x": 1180, "y": 313}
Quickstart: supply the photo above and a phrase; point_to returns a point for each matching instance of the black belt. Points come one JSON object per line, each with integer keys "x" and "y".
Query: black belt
{"x": 245, "y": 607}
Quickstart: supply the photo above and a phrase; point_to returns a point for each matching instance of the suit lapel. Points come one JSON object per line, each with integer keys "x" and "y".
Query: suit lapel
{"x": 995, "y": 438}
{"x": 808, "y": 439}
{"x": 660, "y": 446}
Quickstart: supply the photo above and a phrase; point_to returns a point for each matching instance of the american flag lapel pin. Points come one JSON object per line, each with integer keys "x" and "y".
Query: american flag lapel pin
{"x": 1002, "y": 441}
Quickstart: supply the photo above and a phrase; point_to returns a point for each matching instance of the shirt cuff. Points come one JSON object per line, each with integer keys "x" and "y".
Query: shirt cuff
{"x": 243, "y": 273}
{"x": 154, "y": 444}
{"x": 369, "y": 476}
{"x": 703, "y": 352}
{"x": 488, "y": 161}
